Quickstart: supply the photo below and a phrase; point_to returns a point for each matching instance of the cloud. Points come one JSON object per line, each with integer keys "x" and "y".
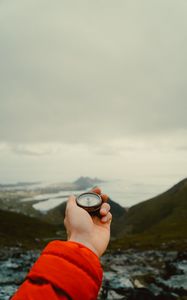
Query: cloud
{"x": 27, "y": 149}
{"x": 112, "y": 148}
{"x": 30, "y": 150}
{"x": 97, "y": 87}
{"x": 87, "y": 72}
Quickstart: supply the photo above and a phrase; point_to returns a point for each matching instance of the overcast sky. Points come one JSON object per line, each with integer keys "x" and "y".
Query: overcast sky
{"x": 93, "y": 88}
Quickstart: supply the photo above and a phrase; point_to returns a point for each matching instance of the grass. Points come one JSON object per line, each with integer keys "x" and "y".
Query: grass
{"x": 156, "y": 223}
{"x": 17, "y": 229}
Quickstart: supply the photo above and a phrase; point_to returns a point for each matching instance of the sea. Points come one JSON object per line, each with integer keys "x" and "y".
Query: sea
{"x": 126, "y": 192}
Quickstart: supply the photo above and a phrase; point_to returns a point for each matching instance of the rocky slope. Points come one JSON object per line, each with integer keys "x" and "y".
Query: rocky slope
{"x": 128, "y": 275}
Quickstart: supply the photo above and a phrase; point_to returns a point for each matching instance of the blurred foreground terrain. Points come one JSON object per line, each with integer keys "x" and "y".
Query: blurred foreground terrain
{"x": 147, "y": 256}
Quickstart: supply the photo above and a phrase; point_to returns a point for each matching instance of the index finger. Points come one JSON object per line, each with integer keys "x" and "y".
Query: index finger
{"x": 96, "y": 190}
{"x": 104, "y": 197}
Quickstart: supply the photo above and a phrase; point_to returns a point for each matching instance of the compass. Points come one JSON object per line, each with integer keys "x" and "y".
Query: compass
{"x": 91, "y": 202}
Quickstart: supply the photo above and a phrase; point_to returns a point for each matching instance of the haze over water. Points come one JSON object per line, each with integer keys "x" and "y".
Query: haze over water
{"x": 128, "y": 192}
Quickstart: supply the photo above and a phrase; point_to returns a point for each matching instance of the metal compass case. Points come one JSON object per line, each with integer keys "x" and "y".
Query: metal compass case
{"x": 90, "y": 201}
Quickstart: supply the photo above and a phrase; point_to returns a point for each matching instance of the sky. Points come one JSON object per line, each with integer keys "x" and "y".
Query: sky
{"x": 93, "y": 88}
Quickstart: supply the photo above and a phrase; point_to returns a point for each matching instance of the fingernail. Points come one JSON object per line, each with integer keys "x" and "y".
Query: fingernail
{"x": 104, "y": 219}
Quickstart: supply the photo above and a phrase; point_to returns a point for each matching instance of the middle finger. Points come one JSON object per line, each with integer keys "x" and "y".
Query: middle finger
{"x": 104, "y": 209}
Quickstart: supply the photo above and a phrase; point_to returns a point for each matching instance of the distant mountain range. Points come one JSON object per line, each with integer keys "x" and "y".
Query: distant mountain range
{"x": 86, "y": 182}
{"x": 158, "y": 222}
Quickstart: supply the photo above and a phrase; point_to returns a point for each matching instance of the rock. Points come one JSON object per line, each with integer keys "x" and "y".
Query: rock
{"x": 14, "y": 265}
{"x": 167, "y": 296}
{"x": 138, "y": 284}
{"x": 7, "y": 291}
{"x": 153, "y": 274}
{"x": 141, "y": 294}
{"x": 181, "y": 256}
{"x": 117, "y": 283}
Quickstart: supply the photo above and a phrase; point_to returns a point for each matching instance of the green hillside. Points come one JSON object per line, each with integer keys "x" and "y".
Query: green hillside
{"x": 18, "y": 229}
{"x": 158, "y": 220}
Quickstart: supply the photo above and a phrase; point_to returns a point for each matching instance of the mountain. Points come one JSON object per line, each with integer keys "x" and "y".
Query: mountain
{"x": 32, "y": 232}
{"x": 18, "y": 229}
{"x": 87, "y": 182}
{"x": 158, "y": 220}
{"x": 119, "y": 214}
{"x": 20, "y": 221}
{"x": 56, "y": 215}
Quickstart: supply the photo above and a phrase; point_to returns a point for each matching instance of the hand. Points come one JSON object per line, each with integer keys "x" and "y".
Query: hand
{"x": 92, "y": 231}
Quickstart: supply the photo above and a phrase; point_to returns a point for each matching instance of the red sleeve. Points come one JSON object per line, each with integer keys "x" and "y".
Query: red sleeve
{"x": 65, "y": 270}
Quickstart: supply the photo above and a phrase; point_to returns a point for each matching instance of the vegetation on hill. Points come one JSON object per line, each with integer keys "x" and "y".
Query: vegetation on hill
{"x": 162, "y": 219}
{"x": 18, "y": 229}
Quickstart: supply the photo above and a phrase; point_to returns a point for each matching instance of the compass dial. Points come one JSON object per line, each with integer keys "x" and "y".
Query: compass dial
{"x": 89, "y": 200}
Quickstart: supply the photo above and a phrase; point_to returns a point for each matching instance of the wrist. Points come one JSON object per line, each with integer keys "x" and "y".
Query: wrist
{"x": 84, "y": 242}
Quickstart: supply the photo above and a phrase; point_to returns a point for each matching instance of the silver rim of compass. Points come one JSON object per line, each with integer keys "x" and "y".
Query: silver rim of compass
{"x": 89, "y": 200}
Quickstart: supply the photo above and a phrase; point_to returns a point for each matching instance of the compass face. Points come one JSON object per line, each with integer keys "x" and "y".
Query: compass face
{"x": 89, "y": 200}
